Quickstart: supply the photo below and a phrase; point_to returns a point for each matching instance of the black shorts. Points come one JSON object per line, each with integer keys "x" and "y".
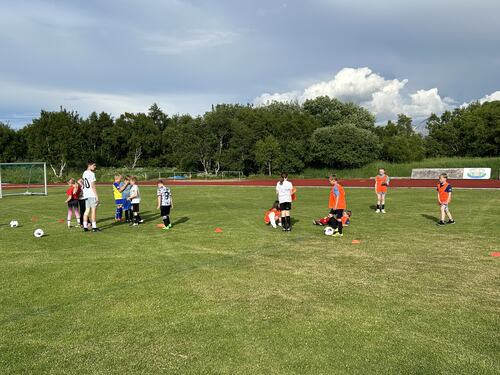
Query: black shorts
{"x": 337, "y": 213}
{"x": 73, "y": 203}
{"x": 285, "y": 206}
{"x": 165, "y": 210}
{"x": 135, "y": 207}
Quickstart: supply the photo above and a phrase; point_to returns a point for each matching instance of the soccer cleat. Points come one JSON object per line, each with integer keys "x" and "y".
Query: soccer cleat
{"x": 135, "y": 224}
{"x": 377, "y": 211}
{"x": 85, "y": 229}
{"x": 337, "y": 234}
{"x": 141, "y": 221}
{"x": 166, "y": 228}
{"x": 440, "y": 223}
{"x": 95, "y": 230}
{"x": 383, "y": 211}
{"x": 450, "y": 222}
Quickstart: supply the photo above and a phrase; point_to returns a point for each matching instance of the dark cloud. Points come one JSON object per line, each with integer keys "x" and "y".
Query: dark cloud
{"x": 190, "y": 54}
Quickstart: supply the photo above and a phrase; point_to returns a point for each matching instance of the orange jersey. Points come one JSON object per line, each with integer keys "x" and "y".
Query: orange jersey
{"x": 444, "y": 191}
{"x": 346, "y": 220}
{"x": 277, "y": 213}
{"x": 379, "y": 181}
{"x": 337, "y": 198}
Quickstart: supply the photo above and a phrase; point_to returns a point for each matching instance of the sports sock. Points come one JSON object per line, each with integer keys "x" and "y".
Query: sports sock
{"x": 136, "y": 218}
{"x": 383, "y": 206}
{"x": 284, "y": 223}
{"x": 85, "y": 224}
{"x": 94, "y": 225}
{"x": 378, "y": 206}
{"x": 69, "y": 223}
{"x": 166, "y": 220}
{"x": 120, "y": 213}
{"x": 340, "y": 226}
{"x": 289, "y": 222}
{"x": 127, "y": 217}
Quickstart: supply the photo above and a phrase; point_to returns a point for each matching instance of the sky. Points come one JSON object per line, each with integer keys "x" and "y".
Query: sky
{"x": 390, "y": 56}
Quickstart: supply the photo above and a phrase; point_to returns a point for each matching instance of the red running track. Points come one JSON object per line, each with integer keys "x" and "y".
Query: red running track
{"x": 361, "y": 183}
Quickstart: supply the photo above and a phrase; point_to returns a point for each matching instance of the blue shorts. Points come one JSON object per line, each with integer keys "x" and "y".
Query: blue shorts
{"x": 118, "y": 201}
{"x": 126, "y": 204}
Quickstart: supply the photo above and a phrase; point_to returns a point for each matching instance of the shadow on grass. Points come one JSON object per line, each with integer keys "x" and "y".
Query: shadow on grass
{"x": 180, "y": 220}
{"x": 373, "y": 207}
{"x": 430, "y": 217}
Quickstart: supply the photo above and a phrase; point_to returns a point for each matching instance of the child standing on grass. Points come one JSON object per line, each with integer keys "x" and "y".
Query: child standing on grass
{"x": 72, "y": 195}
{"x": 81, "y": 200}
{"x": 337, "y": 205}
{"x": 127, "y": 206}
{"x": 118, "y": 195}
{"x": 444, "y": 199}
{"x": 284, "y": 190}
{"x": 135, "y": 199}
{"x": 165, "y": 203}
{"x": 381, "y": 184}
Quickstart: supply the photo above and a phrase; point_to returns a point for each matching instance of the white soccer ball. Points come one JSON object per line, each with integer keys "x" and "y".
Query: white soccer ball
{"x": 14, "y": 224}
{"x": 328, "y": 231}
{"x": 38, "y": 233}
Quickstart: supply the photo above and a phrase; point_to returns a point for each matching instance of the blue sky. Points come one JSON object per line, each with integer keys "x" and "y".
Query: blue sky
{"x": 390, "y": 56}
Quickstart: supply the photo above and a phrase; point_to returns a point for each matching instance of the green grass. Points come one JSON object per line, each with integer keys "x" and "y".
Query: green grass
{"x": 404, "y": 169}
{"x": 411, "y": 298}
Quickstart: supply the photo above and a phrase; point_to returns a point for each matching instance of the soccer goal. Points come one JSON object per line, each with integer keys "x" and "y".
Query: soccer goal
{"x": 23, "y": 179}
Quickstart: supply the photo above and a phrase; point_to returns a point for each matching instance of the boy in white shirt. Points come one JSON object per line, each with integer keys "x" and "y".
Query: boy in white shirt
{"x": 90, "y": 196}
{"x": 284, "y": 190}
{"x": 135, "y": 199}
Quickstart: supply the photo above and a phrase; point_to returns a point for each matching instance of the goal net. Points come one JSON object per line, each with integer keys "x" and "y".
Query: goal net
{"x": 23, "y": 179}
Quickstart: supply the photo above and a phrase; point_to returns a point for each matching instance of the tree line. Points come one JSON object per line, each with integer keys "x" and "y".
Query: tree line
{"x": 321, "y": 132}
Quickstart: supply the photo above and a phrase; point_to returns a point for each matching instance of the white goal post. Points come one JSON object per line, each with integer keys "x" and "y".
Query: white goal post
{"x": 23, "y": 179}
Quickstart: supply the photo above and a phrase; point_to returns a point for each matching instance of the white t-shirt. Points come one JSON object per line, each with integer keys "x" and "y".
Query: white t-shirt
{"x": 284, "y": 191}
{"x": 134, "y": 190}
{"x": 88, "y": 178}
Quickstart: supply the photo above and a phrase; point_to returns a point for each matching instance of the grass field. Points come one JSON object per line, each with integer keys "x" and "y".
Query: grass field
{"x": 410, "y": 298}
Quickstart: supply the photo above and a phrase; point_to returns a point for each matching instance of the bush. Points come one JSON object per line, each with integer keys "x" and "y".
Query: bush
{"x": 344, "y": 146}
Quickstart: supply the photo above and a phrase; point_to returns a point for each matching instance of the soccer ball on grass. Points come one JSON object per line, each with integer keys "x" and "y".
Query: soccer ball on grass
{"x": 38, "y": 233}
{"x": 14, "y": 224}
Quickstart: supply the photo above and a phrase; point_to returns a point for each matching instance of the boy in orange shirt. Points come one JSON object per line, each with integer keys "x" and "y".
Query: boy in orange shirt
{"x": 444, "y": 199}
{"x": 337, "y": 205}
{"x": 381, "y": 184}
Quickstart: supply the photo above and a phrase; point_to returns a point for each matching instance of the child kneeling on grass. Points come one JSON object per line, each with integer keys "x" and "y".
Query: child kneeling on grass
{"x": 327, "y": 220}
{"x": 135, "y": 199}
{"x": 273, "y": 215}
{"x": 165, "y": 203}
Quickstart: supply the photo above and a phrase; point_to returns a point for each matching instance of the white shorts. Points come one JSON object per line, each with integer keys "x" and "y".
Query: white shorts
{"x": 90, "y": 202}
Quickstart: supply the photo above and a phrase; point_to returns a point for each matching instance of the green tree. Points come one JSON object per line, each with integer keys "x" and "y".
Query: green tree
{"x": 344, "y": 146}
{"x": 54, "y": 137}
{"x": 12, "y": 144}
{"x": 333, "y": 112}
{"x": 400, "y": 143}
{"x": 267, "y": 153}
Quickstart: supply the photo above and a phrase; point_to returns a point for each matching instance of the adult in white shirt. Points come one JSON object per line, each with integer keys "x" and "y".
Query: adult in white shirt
{"x": 284, "y": 190}
{"x": 90, "y": 196}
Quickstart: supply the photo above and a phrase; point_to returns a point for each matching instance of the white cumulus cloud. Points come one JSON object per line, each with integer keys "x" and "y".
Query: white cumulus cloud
{"x": 386, "y": 98}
